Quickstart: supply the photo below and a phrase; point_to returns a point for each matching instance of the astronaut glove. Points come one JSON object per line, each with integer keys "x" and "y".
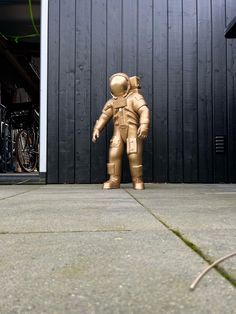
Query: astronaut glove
{"x": 96, "y": 134}
{"x": 142, "y": 131}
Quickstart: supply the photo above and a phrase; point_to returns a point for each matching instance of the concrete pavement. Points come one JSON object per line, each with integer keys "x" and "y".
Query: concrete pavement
{"x": 79, "y": 249}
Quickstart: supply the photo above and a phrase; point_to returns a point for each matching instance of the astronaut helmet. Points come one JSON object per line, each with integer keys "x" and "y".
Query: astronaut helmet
{"x": 119, "y": 85}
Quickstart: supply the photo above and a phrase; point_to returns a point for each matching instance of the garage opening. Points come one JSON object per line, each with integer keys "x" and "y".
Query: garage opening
{"x": 19, "y": 90}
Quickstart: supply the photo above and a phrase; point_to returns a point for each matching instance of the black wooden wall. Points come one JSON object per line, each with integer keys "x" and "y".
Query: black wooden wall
{"x": 188, "y": 75}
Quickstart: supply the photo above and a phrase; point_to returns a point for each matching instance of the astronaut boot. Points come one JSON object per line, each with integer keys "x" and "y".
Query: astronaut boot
{"x": 136, "y": 173}
{"x": 114, "y": 180}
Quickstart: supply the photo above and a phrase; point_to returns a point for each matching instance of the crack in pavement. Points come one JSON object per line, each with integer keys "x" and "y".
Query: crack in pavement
{"x": 2, "y": 233}
{"x": 188, "y": 243}
{"x": 21, "y": 193}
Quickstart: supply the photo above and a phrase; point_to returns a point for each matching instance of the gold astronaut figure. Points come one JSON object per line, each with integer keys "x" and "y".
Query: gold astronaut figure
{"x": 131, "y": 121}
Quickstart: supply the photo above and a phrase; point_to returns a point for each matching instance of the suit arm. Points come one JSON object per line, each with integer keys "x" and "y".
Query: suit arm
{"x": 104, "y": 117}
{"x": 144, "y": 116}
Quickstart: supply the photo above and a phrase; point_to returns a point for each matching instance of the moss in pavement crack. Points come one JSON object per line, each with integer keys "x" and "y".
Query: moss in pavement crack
{"x": 197, "y": 250}
{"x": 190, "y": 244}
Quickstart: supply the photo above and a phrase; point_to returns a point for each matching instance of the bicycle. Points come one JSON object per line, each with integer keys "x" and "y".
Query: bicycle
{"x": 6, "y": 142}
{"x": 27, "y": 146}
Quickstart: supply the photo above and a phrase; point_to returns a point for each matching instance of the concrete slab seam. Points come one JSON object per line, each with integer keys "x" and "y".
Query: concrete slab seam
{"x": 11, "y": 196}
{"x": 62, "y": 232}
{"x": 189, "y": 243}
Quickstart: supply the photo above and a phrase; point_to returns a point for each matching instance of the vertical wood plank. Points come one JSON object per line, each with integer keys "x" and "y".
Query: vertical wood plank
{"x": 231, "y": 93}
{"x": 190, "y": 111}
{"x": 82, "y": 97}
{"x": 98, "y": 87}
{"x": 129, "y": 53}
{"x": 53, "y": 79}
{"x": 114, "y": 49}
{"x": 114, "y": 37}
{"x": 66, "y": 92}
{"x": 145, "y": 69}
{"x": 219, "y": 86}
{"x": 129, "y": 37}
{"x": 205, "y": 135}
{"x": 175, "y": 97}
{"x": 160, "y": 87}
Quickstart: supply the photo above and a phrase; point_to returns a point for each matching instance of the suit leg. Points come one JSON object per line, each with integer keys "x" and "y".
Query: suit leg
{"x": 115, "y": 162}
{"x": 135, "y": 155}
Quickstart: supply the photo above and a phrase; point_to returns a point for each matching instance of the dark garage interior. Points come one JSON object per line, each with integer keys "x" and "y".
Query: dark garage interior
{"x": 19, "y": 88}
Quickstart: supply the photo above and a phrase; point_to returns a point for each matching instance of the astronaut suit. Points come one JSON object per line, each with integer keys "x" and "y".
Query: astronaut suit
{"x": 131, "y": 120}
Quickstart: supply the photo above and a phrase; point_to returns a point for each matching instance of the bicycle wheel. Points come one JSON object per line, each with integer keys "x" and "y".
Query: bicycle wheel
{"x": 26, "y": 152}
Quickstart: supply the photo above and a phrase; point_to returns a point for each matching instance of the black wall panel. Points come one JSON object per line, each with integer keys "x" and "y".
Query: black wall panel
{"x": 82, "y": 91}
{"x": 129, "y": 48}
{"x": 98, "y": 84}
{"x": 190, "y": 112}
{"x": 175, "y": 90}
{"x": 219, "y": 88}
{"x": 188, "y": 75}
{"x": 204, "y": 91}
{"x": 231, "y": 95}
{"x": 67, "y": 93}
{"x": 53, "y": 93}
{"x": 144, "y": 69}
{"x": 160, "y": 119}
